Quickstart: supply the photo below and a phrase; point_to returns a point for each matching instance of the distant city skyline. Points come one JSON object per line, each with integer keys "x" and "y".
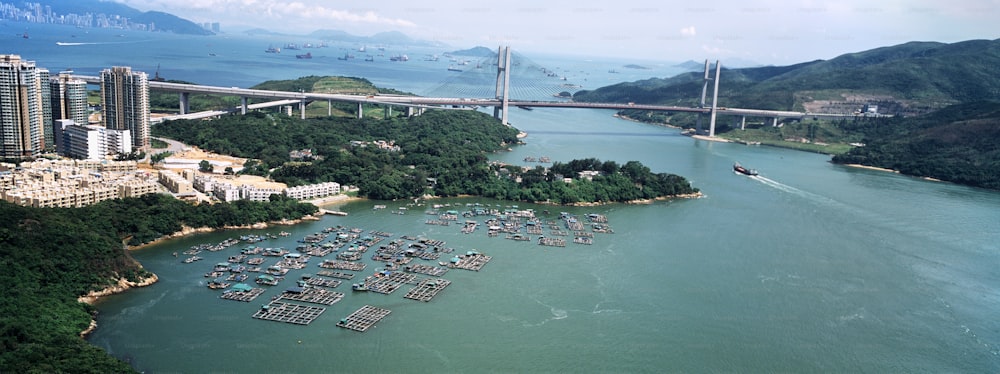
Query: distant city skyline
{"x": 763, "y": 31}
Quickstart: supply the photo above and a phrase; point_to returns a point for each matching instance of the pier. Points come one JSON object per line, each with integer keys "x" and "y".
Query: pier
{"x": 363, "y": 318}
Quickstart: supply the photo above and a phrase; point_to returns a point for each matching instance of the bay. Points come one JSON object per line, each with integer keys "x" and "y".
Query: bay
{"x": 813, "y": 267}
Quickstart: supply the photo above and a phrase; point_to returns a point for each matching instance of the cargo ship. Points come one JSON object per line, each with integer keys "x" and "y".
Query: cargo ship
{"x": 742, "y": 170}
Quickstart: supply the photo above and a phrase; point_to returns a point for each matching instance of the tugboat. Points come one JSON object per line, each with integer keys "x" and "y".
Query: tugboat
{"x": 742, "y": 170}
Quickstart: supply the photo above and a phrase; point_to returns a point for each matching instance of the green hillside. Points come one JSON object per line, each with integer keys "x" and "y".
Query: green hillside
{"x": 910, "y": 78}
{"x": 959, "y": 144}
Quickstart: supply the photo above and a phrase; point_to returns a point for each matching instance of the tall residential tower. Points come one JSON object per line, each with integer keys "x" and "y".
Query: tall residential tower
{"x": 23, "y": 107}
{"x": 69, "y": 101}
{"x": 125, "y": 103}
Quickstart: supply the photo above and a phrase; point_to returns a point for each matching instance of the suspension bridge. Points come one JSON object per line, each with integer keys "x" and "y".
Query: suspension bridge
{"x": 472, "y": 88}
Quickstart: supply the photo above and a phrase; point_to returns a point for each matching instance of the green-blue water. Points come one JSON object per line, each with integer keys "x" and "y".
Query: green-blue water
{"x": 813, "y": 267}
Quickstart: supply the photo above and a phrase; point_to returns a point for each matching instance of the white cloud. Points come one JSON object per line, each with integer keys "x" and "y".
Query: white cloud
{"x": 688, "y": 31}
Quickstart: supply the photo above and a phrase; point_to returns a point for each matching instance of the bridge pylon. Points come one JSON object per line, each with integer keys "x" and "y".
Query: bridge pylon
{"x": 503, "y": 83}
{"x": 704, "y": 91}
{"x": 715, "y": 99}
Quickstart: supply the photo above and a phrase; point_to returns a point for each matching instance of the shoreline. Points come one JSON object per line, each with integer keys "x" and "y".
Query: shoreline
{"x": 859, "y": 166}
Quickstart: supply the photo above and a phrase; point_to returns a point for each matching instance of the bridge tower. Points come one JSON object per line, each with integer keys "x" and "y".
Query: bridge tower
{"x": 704, "y": 90}
{"x": 503, "y": 83}
{"x": 715, "y": 99}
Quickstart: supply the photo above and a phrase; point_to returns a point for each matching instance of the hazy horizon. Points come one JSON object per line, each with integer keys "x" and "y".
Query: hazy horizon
{"x": 764, "y": 31}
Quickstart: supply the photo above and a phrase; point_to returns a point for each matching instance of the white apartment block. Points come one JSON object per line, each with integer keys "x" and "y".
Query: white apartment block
{"x": 313, "y": 190}
{"x": 91, "y": 142}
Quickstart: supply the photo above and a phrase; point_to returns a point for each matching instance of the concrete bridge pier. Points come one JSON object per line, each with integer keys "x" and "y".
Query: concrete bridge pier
{"x": 742, "y": 121}
{"x": 185, "y": 98}
{"x": 329, "y": 107}
{"x": 409, "y": 111}
{"x": 302, "y": 109}
{"x": 361, "y": 110}
{"x": 774, "y": 122}
{"x": 243, "y": 106}
{"x": 388, "y": 111}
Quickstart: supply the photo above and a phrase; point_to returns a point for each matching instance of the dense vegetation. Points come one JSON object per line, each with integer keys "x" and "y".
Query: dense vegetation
{"x": 442, "y": 153}
{"x": 960, "y": 144}
{"x": 52, "y": 256}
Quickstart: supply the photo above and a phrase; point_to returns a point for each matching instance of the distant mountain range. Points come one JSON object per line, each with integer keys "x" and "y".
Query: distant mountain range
{"x": 163, "y": 21}
{"x": 478, "y": 51}
{"x": 909, "y": 78}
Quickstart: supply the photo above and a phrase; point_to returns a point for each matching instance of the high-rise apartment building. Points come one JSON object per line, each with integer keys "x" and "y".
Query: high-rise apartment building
{"x": 69, "y": 101}
{"x": 24, "y": 108}
{"x": 125, "y": 103}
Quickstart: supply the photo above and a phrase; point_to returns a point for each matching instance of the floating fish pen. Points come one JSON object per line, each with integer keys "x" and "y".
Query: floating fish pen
{"x": 583, "y": 234}
{"x": 534, "y": 229}
{"x": 237, "y": 259}
{"x": 191, "y": 259}
{"x": 552, "y": 242}
{"x": 597, "y": 218}
{"x": 349, "y": 256}
{"x": 312, "y": 295}
{"x": 573, "y": 224}
{"x": 450, "y": 216}
{"x": 381, "y": 233}
{"x": 602, "y": 228}
{"x": 431, "y": 270}
{"x": 252, "y": 250}
{"x": 469, "y": 227}
{"x": 587, "y": 241}
{"x": 255, "y": 261}
{"x": 427, "y": 289}
{"x": 473, "y": 261}
{"x": 323, "y": 282}
{"x": 437, "y": 222}
{"x": 386, "y": 284}
{"x": 363, "y": 318}
{"x": 314, "y": 238}
{"x": 558, "y": 232}
{"x": 518, "y": 237}
{"x": 214, "y": 274}
{"x": 343, "y": 265}
{"x": 275, "y": 252}
{"x": 242, "y": 295}
{"x": 335, "y": 274}
{"x": 289, "y": 313}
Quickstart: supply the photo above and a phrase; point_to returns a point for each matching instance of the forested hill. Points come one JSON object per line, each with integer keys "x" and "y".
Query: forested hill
{"x": 915, "y": 76}
{"x": 959, "y": 144}
{"x": 52, "y": 256}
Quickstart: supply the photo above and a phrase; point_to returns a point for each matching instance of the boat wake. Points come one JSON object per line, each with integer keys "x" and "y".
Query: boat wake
{"x": 795, "y": 191}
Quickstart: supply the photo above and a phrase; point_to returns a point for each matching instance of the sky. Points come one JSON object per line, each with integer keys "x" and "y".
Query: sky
{"x": 768, "y": 32}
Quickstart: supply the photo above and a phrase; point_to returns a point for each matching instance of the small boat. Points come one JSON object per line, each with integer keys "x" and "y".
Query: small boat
{"x": 308, "y": 55}
{"x": 742, "y": 170}
{"x": 359, "y": 287}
